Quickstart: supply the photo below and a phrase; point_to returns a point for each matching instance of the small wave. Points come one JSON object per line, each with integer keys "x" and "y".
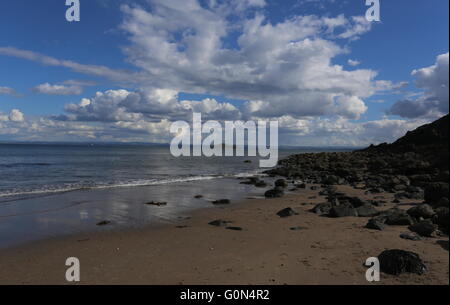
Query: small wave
{"x": 93, "y": 186}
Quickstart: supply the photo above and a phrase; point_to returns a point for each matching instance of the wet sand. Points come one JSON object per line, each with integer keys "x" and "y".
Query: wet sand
{"x": 266, "y": 251}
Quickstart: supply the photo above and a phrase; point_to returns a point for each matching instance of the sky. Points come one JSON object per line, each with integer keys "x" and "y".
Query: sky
{"x": 129, "y": 68}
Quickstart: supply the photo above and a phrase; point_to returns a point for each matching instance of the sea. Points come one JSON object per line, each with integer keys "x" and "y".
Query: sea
{"x": 52, "y": 190}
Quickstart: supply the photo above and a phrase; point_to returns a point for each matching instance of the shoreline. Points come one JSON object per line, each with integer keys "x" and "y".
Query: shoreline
{"x": 267, "y": 250}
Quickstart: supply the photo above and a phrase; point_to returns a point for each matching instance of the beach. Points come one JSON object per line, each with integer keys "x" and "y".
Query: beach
{"x": 296, "y": 250}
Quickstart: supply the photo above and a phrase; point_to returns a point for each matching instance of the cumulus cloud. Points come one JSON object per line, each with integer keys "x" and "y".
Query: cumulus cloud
{"x": 281, "y": 70}
{"x": 8, "y": 91}
{"x": 434, "y": 101}
{"x": 154, "y": 105}
{"x": 15, "y": 115}
{"x": 50, "y": 89}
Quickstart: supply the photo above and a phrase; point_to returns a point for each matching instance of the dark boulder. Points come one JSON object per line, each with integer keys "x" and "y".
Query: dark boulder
{"x": 423, "y": 228}
{"x": 397, "y": 217}
{"x": 410, "y": 236}
{"x": 442, "y": 219}
{"x": 343, "y": 210}
{"x": 435, "y": 191}
{"x": 286, "y": 213}
{"x": 421, "y": 211}
{"x": 281, "y": 183}
{"x": 376, "y": 224}
{"x": 322, "y": 208}
{"x": 366, "y": 210}
{"x": 396, "y": 262}
{"x": 274, "y": 193}
{"x": 443, "y": 202}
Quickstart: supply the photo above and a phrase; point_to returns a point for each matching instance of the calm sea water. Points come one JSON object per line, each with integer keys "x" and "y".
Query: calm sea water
{"x": 52, "y": 190}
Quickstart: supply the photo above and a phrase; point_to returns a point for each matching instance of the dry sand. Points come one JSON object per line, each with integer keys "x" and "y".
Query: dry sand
{"x": 324, "y": 251}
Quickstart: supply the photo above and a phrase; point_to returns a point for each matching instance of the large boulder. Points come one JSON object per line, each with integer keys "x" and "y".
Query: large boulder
{"x": 366, "y": 210}
{"x": 397, "y": 217}
{"x": 396, "y": 262}
{"x": 322, "y": 208}
{"x": 376, "y": 224}
{"x": 423, "y": 228}
{"x": 442, "y": 219}
{"x": 274, "y": 193}
{"x": 435, "y": 192}
{"x": 281, "y": 183}
{"x": 286, "y": 213}
{"x": 424, "y": 211}
{"x": 343, "y": 210}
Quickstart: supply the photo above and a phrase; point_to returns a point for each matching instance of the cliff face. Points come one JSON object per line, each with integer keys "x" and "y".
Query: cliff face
{"x": 435, "y": 134}
{"x": 430, "y": 141}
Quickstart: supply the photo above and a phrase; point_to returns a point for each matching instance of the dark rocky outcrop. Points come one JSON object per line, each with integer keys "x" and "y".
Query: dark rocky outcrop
{"x": 415, "y": 167}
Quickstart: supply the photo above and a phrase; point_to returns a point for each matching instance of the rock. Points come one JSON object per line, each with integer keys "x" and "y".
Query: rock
{"x": 322, "y": 208}
{"x": 297, "y": 228}
{"x": 443, "y": 202}
{"x": 274, "y": 193}
{"x": 198, "y": 196}
{"x": 397, "y": 217}
{"x": 396, "y": 262}
{"x": 301, "y": 186}
{"x": 343, "y": 210}
{"x": 434, "y": 192}
{"x": 156, "y": 203}
{"x": 376, "y": 224}
{"x": 234, "y": 228}
{"x": 219, "y": 223}
{"x": 286, "y": 213}
{"x": 410, "y": 236}
{"x": 103, "y": 223}
{"x": 281, "y": 183}
{"x": 421, "y": 211}
{"x": 366, "y": 210}
{"x": 221, "y": 201}
{"x": 423, "y": 228}
{"x": 442, "y": 219}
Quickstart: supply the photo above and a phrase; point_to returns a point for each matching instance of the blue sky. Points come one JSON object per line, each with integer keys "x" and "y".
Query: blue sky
{"x": 123, "y": 36}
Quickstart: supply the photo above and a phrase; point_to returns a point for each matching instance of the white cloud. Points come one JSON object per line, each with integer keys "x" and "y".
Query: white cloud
{"x": 353, "y": 63}
{"x": 8, "y": 91}
{"x": 434, "y": 101}
{"x": 58, "y": 89}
